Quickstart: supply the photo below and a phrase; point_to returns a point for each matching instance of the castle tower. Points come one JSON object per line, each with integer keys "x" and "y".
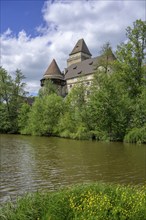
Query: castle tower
{"x": 79, "y": 53}
{"x": 54, "y": 74}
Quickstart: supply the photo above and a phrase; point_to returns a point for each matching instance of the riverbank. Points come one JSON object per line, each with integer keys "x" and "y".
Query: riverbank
{"x": 90, "y": 201}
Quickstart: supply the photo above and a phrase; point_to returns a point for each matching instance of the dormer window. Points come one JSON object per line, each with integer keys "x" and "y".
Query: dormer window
{"x": 87, "y": 83}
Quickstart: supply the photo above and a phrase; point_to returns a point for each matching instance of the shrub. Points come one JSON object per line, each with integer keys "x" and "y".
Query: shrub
{"x": 136, "y": 135}
{"x": 91, "y": 202}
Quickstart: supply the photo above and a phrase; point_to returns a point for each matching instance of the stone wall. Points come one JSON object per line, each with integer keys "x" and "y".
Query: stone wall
{"x": 76, "y": 58}
{"x": 74, "y": 81}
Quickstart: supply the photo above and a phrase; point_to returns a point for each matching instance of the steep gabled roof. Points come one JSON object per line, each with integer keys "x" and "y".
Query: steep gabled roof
{"x": 81, "y": 47}
{"x": 53, "y": 71}
{"x": 83, "y": 68}
{"x": 86, "y": 67}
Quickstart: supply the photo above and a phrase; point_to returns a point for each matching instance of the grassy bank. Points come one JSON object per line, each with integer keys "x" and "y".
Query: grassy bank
{"x": 83, "y": 202}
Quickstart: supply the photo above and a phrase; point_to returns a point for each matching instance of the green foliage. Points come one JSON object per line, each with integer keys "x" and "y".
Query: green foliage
{"x": 136, "y": 131}
{"x": 53, "y": 109}
{"x": 44, "y": 115}
{"x": 107, "y": 57}
{"x": 136, "y": 135}
{"x": 108, "y": 108}
{"x": 5, "y": 125}
{"x": 11, "y": 97}
{"x": 93, "y": 201}
{"x": 6, "y": 86}
{"x": 139, "y": 117}
{"x": 23, "y": 118}
{"x": 72, "y": 124}
{"x": 48, "y": 88}
{"x": 131, "y": 56}
{"x": 34, "y": 125}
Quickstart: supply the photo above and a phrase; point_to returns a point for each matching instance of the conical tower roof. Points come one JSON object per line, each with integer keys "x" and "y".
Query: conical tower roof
{"x": 53, "y": 71}
{"x": 81, "y": 47}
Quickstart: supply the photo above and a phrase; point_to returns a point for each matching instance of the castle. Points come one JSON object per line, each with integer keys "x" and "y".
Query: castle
{"x": 80, "y": 65}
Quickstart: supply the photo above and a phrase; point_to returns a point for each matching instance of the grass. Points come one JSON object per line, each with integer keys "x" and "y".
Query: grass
{"x": 83, "y": 202}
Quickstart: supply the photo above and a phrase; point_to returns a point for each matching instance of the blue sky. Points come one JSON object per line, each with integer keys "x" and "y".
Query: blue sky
{"x": 20, "y": 14}
{"x": 33, "y": 32}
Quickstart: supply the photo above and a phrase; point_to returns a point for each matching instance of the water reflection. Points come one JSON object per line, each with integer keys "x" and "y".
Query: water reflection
{"x": 41, "y": 163}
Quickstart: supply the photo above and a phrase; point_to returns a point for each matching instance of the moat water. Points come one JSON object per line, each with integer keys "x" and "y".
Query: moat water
{"x": 29, "y": 164}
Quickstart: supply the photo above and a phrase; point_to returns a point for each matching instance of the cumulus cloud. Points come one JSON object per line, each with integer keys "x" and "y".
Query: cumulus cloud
{"x": 66, "y": 22}
{"x": 25, "y": 53}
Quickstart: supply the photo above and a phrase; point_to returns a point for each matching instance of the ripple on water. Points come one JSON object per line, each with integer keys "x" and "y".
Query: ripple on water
{"x": 30, "y": 164}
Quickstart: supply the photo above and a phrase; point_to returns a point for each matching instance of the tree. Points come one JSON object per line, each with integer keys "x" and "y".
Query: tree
{"x": 35, "y": 116}
{"x": 53, "y": 109}
{"x": 17, "y": 98}
{"x": 131, "y": 56}
{"x": 23, "y": 118}
{"x": 108, "y": 108}
{"x": 136, "y": 131}
{"x": 48, "y": 88}
{"x": 107, "y": 58}
{"x": 44, "y": 115}
{"x": 12, "y": 95}
{"x": 6, "y": 88}
{"x": 73, "y": 121}
{"x": 5, "y": 125}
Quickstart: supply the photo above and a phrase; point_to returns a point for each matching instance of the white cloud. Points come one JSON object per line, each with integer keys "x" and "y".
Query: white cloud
{"x": 66, "y": 22}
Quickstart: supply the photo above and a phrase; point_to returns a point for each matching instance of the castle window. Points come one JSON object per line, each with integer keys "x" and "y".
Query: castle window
{"x": 91, "y": 63}
{"x": 79, "y": 72}
{"x": 87, "y": 83}
{"x": 88, "y": 93}
{"x": 74, "y": 67}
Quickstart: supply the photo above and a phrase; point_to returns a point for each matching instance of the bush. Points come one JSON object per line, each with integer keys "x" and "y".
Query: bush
{"x": 136, "y": 135}
{"x": 90, "y": 202}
